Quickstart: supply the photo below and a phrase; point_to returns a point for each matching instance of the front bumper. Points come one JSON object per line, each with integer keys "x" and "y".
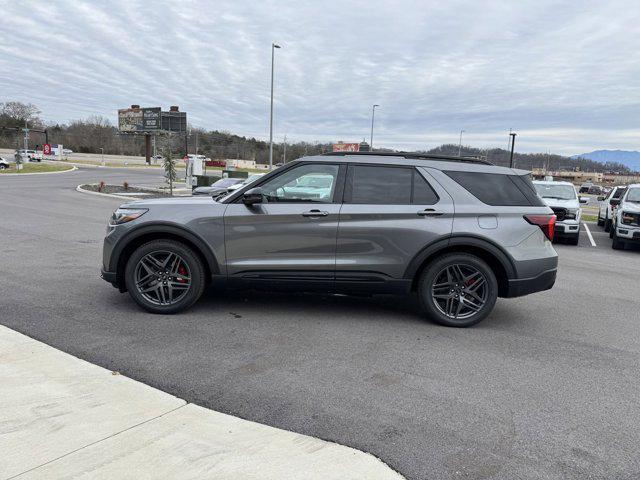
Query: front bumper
{"x": 567, "y": 228}
{"x": 628, "y": 233}
{"x": 110, "y": 277}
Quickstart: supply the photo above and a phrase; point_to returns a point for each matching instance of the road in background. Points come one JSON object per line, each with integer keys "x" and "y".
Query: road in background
{"x": 546, "y": 387}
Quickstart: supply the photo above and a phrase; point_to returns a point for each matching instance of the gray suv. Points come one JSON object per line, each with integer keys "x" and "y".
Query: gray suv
{"x": 457, "y": 231}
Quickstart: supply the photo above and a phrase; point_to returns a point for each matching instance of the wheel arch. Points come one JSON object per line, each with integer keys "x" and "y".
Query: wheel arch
{"x": 134, "y": 239}
{"x": 498, "y": 260}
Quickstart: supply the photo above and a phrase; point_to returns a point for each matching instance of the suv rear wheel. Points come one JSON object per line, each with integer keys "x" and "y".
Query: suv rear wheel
{"x": 458, "y": 290}
{"x": 164, "y": 276}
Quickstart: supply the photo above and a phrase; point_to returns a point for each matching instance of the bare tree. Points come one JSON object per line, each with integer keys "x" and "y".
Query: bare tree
{"x": 21, "y": 112}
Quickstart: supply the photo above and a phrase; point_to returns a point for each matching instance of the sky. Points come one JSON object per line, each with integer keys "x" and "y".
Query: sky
{"x": 564, "y": 75}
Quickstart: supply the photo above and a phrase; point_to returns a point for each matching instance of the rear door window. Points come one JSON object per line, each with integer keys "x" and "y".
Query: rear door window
{"x": 381, "y": 185}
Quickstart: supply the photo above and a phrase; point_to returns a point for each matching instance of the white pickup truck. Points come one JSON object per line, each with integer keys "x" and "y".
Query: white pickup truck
{"x": 30, "y": 155}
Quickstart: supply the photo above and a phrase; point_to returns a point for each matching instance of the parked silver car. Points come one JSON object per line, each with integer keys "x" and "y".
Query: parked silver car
{"x": 459, "y": 232}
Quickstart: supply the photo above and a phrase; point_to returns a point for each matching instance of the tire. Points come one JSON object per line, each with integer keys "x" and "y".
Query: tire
{"x": 600, "y": 221}
{"x": 437, "y": 301}
{"x": 611, "y": 229}
{"x": 574, "y": 239}
{"x": 607, "y": 226}
{"x": 617, "y": 244}
{"x": 165, "y": 290}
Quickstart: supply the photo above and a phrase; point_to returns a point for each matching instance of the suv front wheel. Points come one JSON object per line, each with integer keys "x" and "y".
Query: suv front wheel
{"x": 458, "y": 290}
{"x": 164, "y": 276}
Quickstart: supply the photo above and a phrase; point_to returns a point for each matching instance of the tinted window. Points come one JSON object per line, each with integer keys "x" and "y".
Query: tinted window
{"x": 619, "y": 192}
{"x": 387, "y": 186}
{"x": 423, "y": 194}
{"x": 380, "y": 185}
{"x": 496, "y": 189}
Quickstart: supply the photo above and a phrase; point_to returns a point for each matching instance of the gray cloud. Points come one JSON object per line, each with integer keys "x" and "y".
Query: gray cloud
{"x": 564, "y": 75}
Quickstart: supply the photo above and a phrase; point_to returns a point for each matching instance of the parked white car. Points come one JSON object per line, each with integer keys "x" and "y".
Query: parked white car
{"x": 607, "y": 206}
{"x": 626, "y": 220}
{"x": 4, "y": 163}
{"x": 250, "y": 179}
{"x": 565, "y": 203}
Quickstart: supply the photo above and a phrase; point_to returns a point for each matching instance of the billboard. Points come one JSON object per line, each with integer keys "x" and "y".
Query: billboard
{"x": 346, "y": 147}
{"x": 173, "y": 121}
{"x": 130, "y": 120}
{"x": 153, "y": 119}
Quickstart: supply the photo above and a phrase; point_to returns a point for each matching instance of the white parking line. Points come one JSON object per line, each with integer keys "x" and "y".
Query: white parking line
{"x": 593, "y": 244}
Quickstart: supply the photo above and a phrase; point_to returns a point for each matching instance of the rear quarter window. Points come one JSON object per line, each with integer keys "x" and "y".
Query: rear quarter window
{"x": 498, "y": 189}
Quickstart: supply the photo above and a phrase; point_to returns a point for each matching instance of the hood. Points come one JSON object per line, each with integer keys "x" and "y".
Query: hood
{"x": 556, "y": 202}
{"x": 174, "y": 201}
{"x": 630, "y": 207}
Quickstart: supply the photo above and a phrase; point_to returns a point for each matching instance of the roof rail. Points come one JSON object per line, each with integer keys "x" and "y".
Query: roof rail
{"x": 414, "y": 155}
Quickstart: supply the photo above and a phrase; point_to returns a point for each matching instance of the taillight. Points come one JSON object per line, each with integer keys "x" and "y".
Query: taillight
{"x": 546, "y": 222}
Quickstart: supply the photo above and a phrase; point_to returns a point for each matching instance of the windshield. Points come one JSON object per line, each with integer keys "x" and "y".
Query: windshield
{"x": 226, "y": 182}
{"x": 633, "y": 195}
{"x": 562, "y": 192}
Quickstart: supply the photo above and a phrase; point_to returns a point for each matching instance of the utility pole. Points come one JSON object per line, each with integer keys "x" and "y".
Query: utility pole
{"x": 26, "y": 136}
{"x": 513, "y": 142}
{"x": 102, "y": 156}
{"x": 460, "y": 142}
{"x": 373, "y": 115}
{"x": 273, "y": 50}
{"x": 284, "y": 155}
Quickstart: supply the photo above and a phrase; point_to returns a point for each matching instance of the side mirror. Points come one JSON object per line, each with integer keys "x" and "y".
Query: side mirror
{"x": 614, "y": 202}
{"x": 601, "y": 198}
{"x": 584, "y": 200}
{"x": 253, "y": 196}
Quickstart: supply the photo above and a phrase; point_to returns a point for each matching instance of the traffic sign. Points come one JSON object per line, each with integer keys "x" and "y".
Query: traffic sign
{"x": 46, "y": 149}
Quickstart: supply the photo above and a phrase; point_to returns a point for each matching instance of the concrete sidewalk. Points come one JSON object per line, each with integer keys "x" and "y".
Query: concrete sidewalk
{"x": 63, "y": 417}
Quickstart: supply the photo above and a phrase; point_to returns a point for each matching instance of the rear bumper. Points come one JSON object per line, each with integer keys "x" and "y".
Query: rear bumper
{"x": 524, "y": 286}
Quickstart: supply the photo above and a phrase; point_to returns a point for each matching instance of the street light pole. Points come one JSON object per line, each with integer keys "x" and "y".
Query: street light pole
{"x": 373, "y": 114}
{"x": 513, "y": 141}
{"x": 460, "y": 143}
{"x": 273, "y": 50}
{"x": 284, "y": 154}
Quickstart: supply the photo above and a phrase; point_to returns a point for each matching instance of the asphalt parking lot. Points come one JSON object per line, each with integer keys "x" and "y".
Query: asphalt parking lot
{"x": 546, "y": 387}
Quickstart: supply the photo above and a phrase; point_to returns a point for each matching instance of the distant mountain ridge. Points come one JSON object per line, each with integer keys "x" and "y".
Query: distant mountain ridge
{"x": 630, "y": 158}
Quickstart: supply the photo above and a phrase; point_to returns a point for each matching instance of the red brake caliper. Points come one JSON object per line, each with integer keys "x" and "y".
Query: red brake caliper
{"x": 182, "y": 271}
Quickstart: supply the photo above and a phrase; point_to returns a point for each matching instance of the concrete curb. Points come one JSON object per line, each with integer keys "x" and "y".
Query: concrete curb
{"x": 37, "y": 173}
{"x": 92, "y": 165}
{"x": 91, "y": 192}
{"x": 63, "y": 417}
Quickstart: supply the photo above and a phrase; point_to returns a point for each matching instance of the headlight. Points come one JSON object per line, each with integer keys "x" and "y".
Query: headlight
{"x": 628, "y": 218}
{"x": 124, "y": 215}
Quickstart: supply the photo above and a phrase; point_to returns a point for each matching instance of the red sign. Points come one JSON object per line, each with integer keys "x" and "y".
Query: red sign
{"x": 46, "y": 149}
{"x": 346, "y": 147}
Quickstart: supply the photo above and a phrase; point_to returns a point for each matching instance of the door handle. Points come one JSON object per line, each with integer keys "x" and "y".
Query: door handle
{"x": 315, "y": 213}
{"x": 430, "y": 212}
